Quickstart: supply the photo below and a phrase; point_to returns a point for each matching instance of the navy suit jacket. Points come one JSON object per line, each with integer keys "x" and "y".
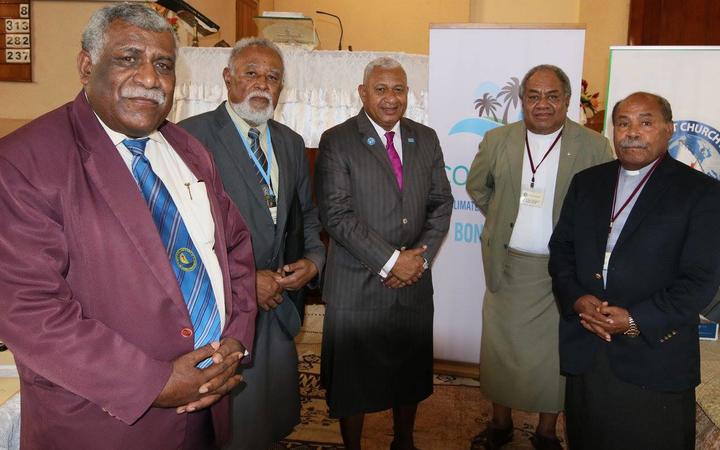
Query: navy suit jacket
{"x": 663, "y": 269}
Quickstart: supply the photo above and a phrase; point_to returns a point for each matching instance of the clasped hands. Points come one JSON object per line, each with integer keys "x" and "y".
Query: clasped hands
{"x": 190, "y": 389}
{"x": 271, "y": 284}
{"x": 600, "y": 318}
{"x": 408, "y": 268}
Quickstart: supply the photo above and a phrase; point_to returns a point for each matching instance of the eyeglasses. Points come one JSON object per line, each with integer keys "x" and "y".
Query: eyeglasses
{"x": 554, "y": 98}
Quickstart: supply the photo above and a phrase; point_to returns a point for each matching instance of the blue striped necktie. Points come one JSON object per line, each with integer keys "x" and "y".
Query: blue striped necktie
{"x": 184, "y": 258}
{"x": 254, "y": 135}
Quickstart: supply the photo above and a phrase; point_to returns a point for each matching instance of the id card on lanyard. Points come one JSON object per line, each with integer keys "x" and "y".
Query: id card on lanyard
{"x": 268, "y": 192}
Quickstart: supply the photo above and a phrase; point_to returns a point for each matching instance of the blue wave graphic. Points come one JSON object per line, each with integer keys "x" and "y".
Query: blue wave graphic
{"x": 476, "y": 125}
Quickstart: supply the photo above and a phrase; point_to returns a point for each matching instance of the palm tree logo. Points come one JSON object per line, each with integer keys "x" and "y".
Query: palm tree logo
{"x": 511, "y": 93}
{"x": 487, "y": 105}
{"x": 491, "y": 99}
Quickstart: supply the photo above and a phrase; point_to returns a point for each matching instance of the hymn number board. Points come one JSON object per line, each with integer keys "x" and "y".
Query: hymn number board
{"x": 15, "y": 51}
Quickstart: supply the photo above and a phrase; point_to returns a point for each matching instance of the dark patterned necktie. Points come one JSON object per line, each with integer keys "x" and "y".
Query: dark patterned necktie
{"x": 254, "y": 135}
{"x": 184, "y": 258}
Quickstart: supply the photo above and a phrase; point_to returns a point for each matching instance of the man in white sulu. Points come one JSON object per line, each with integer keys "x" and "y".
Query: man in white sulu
{"x": 518, "y": 180}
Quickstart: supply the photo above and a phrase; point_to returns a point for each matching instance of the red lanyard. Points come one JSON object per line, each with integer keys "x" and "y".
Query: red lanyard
{"x": 614, "y": 215}
{"x": 534, "y": 168}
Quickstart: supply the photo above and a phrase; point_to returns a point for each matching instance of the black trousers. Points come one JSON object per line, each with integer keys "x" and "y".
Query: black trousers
{"x": 605, "y": 413}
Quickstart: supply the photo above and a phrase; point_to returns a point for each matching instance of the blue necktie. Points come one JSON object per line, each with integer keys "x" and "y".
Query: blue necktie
{"x": 254, "y": 135}
{"x": 184, "y": 258}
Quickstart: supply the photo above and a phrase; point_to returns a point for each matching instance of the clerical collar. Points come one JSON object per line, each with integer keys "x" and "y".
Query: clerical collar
{"x": 639, "y": 172}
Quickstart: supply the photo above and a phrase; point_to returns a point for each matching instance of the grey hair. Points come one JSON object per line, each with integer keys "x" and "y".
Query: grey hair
{"x": 665, "y": 108}
{"x": 559, "y": 73}
{"x": 93, "y": 38}
{"x": 244, "y": 43}
{"x": 382, "y": 62}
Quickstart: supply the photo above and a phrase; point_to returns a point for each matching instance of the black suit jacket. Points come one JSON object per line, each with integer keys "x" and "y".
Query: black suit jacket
{"x": 295, "y": 249}
{"x": 297, "y": 226}
{"x": 664, "y": 270}
{"x": 368, "y": 217}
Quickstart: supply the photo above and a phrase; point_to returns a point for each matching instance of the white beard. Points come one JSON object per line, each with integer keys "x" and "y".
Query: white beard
{"x": 252, "y": 115}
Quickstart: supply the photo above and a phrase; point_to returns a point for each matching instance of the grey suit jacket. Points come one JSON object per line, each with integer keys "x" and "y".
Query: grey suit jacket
{"x": 218, "y": 133}
{"x": 494, "y": 183}
{"x": 368, "y": 217}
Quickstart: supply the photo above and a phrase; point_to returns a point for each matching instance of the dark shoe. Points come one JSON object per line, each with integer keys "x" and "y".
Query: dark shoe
{"x": 545, "y": 443}
{"x": 492, "y": 438}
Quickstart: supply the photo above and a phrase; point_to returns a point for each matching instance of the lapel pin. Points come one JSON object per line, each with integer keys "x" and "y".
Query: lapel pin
{"x": 371, "y": 141}
{"x": 411, "y": 140}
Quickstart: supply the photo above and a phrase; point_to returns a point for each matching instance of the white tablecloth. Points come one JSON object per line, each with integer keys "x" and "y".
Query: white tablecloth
{"x": 320, "y": 88}
{"x": 10, "y": 423}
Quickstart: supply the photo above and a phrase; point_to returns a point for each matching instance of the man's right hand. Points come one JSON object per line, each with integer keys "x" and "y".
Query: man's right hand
{"x": 409, "y": 266}
{"x": 588, "y": 309}
{"x": 269, "y": 292}
{"x": 185, "y": 380}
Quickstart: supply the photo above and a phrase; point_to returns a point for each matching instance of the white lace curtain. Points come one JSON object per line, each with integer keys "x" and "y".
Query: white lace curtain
{"x": 320, "y": 88}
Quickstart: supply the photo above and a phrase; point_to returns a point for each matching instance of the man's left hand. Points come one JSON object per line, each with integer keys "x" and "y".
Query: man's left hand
{"x": 394, "y": 282}
{"x": 230, "y": 351}
{"x": 297, "y": 274}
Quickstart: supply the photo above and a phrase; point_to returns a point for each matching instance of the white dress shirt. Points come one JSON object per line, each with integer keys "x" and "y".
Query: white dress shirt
{"x": 534, "y": 225}
{"x": 244, "y": 128}
{"x": 397, "y": 142}
{"x": 190, "y": 197}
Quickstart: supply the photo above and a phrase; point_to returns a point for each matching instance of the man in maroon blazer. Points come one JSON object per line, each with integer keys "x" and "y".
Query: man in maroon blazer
{"x": 91, "y": 304}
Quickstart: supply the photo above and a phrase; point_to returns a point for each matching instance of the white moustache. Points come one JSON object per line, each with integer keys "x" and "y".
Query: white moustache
{"x": 155, "y": 95}
{"x": 261, "y": 94}
{"x": 627, "y": 143}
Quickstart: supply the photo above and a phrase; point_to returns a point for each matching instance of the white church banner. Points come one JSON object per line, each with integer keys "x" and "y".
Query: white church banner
{"x": 474, "y": 80}
{"x": 688, "y": 78}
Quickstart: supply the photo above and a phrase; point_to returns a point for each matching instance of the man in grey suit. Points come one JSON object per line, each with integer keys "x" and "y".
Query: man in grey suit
{"x": 385, "y": 200}
{"x": 518, "y": 180}
{"x": 265, "y": 172}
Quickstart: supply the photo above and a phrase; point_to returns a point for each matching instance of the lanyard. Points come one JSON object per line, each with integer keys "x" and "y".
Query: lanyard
{"x": 614, "y": 215}
{"x": 533, "y": 167}
{"x": 265, "y": 174}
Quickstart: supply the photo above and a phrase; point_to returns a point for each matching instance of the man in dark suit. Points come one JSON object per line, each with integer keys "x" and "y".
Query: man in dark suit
{"x": 634, "y": 259}
{"x": 125, "y": 264}
{"x": 385, "y": 200}
{"x": 265, "y": 171}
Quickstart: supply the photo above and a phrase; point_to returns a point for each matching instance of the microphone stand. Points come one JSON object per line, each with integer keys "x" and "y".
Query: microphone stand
{"x": 341, "y": 27}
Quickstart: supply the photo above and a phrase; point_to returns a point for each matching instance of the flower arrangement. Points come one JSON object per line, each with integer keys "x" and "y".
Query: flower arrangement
{"x": 173, "y": 21}
{"x": 588, "y": 102}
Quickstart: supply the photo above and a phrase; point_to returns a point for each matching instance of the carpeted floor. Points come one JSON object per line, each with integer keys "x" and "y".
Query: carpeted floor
{"x": 446, "y": 421}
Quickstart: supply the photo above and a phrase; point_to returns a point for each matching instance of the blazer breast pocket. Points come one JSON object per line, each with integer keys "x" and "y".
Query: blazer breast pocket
{"x": 202, "y": 213}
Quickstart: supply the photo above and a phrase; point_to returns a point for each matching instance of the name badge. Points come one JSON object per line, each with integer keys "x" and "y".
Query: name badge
{"x": 530, "y": 197}
{"x": 270, "y": 197}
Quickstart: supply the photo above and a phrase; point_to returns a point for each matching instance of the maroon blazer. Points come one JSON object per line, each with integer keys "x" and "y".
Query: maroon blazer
{"x": 88, "y": 302}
